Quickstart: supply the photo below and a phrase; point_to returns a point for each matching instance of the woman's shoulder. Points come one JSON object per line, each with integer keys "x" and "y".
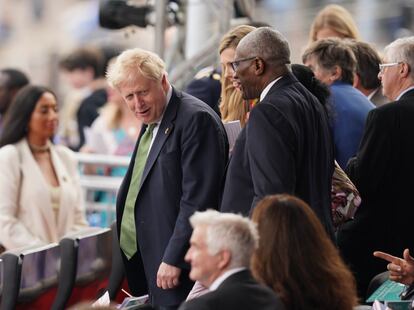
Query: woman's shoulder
{"x": 65, "y": 152}
{"x": 10, "y": 151}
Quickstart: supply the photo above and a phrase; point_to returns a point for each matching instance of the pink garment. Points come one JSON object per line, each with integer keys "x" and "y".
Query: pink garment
{"x": 197, "y": 290}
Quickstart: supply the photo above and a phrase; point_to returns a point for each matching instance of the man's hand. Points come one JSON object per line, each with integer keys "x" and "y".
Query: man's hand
{"x": 401, "y": 269}
{"x": 167, "y": 276}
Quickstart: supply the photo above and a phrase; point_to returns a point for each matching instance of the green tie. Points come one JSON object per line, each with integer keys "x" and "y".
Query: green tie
{"x": 128, "y": 239}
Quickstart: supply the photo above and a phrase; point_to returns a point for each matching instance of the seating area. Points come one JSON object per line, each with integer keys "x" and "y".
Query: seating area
{"x": 59, "y": 275}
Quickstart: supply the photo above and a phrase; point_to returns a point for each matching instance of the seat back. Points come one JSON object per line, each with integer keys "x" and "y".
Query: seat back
{"x": 29, "y": 271}
{"x": 376, "y": 282}
{"x": 117, "y": 271}
{"x": 86, "y": 257}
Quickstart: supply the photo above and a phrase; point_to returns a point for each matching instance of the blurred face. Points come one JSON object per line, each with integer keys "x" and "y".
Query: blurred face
{"x": 114, "y": 96}
{"x": 245, "y": 77}
{"x": 322, "y": 74}
{"x": 44, "y": 119}
{"x": 226, "y": 57}
{"x": 79, "y": 78}
{"x": 390, "y": 80}
{"x": 204, "y": 267}
{"x": 146, "y": 98}
{"x": 327, "y": 32}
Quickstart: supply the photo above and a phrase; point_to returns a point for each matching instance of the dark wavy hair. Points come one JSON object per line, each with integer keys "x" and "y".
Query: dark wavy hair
{"x": 297, "y": 259}
{"x": 18, "y": 116}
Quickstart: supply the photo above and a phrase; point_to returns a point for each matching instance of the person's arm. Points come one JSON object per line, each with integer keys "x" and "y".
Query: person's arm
{"x": 401, "y": 269}
{"x": 13, "y": 233}
{"x": 203, "y": 159}
{"x": 271, "y": 152}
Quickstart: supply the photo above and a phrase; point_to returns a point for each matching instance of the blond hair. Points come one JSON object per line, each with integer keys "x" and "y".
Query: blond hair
{"x": 338, "y": 19}
{"x": 232, "y": 106}
{"x": 132, "y": 62}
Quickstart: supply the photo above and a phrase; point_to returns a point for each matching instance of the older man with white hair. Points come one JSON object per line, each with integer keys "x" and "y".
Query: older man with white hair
{"x": 383, "y": 171}
{"x": 220, "y": 250}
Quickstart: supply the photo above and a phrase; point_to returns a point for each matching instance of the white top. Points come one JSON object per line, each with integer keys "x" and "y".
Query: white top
{"x": 155, "y": 131}
{"x": 267, "y": 88}
{"x": 217, "y": 282}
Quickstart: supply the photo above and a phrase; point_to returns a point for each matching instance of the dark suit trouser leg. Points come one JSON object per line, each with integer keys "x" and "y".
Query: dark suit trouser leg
{"x": 134, "y": 271}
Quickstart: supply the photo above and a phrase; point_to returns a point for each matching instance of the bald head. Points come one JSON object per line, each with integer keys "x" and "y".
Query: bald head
{"x": 266, "y": 43}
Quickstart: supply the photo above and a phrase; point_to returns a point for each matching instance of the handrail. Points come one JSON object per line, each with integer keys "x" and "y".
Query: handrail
{"x": 102, "y": 159}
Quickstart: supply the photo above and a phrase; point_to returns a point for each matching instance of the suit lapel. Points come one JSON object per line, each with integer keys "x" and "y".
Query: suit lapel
{"x": 164, "y": 131}
{"x": 39, "y": 187}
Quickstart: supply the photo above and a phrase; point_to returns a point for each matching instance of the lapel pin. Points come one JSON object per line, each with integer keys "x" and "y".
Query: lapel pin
{"x": 167, "y": 130}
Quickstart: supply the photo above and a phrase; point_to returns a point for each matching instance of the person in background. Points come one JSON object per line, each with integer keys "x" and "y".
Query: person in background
{"x": 84, "y": 70}
{"x": 269, "y": 157}
{"x": 221, "y": 247}
{"x": 39, "y": 182}
{"x": 11, "y": 81}
{"x": 176, "y": 169}
{"x": 232, "y": 105}
{"x": 334, "y": 64}
{"x": 297, "y": 259}
{"x": 366, "y": 74}
{"x": 333, "y": 21}
{"x": 345, "y": 198}
{"x": 382, "y": 171}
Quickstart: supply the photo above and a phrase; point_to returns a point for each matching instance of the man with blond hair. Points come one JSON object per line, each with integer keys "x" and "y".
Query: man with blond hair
{"x": 221, "y": 247}
{"x": 176, "y": 169}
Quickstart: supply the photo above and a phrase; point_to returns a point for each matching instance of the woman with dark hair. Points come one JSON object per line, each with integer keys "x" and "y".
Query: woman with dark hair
{"x": 297, "y": 259}
{"x": 39, "y": 183}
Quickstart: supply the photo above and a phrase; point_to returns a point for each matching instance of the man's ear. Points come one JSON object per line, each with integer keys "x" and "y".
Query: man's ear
{"x": 259, "y": 66}
{"x": 404, "y": 70}
{"x": 224, "y": 259}
{"x": 357, "y": 81}
{"x": 336, "y": 73}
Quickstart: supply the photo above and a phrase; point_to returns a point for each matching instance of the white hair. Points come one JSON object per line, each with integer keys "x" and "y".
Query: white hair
{"x": 402, "y": 50}
{"x": 228, "y": 231}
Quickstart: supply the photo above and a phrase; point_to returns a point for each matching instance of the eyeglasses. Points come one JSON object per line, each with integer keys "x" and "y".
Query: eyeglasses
{"x": 235, "y": 64}
{"x": 390, "y": 64}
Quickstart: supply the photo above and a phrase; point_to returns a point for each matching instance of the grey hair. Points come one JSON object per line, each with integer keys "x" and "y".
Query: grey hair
{"x": 402, "y": 50}
{"x": 268, "y": 44}
{"x": 228, "y": 231}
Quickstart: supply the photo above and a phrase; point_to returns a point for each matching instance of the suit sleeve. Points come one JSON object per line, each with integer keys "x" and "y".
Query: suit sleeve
{"x": 368, "y": 169}
{"x": 270, "y": 143}
{"x": 203, "y": 160}
{"x": 13, "y": 233}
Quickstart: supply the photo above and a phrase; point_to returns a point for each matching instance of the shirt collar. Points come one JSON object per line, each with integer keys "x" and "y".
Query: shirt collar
{"x": 268, "y": 87}
{"x": 217, "y": 282}
{"x": 404, "y": 92}
{"x": 168, "y": 98}
{"x": 370, "y": 95}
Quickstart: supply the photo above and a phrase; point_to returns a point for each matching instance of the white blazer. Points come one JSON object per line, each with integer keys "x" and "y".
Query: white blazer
{"x": 26, "y": 214}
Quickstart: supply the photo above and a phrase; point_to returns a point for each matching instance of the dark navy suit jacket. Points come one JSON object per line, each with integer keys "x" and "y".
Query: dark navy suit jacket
{"x": 286, "y": 147}
{"x": 383, "y": 172}
{"x": 183, "y": 174}
{"x": 239, "y": 291}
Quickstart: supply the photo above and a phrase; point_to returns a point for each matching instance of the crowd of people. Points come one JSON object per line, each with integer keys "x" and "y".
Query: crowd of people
{"x": 289, "y": 218}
